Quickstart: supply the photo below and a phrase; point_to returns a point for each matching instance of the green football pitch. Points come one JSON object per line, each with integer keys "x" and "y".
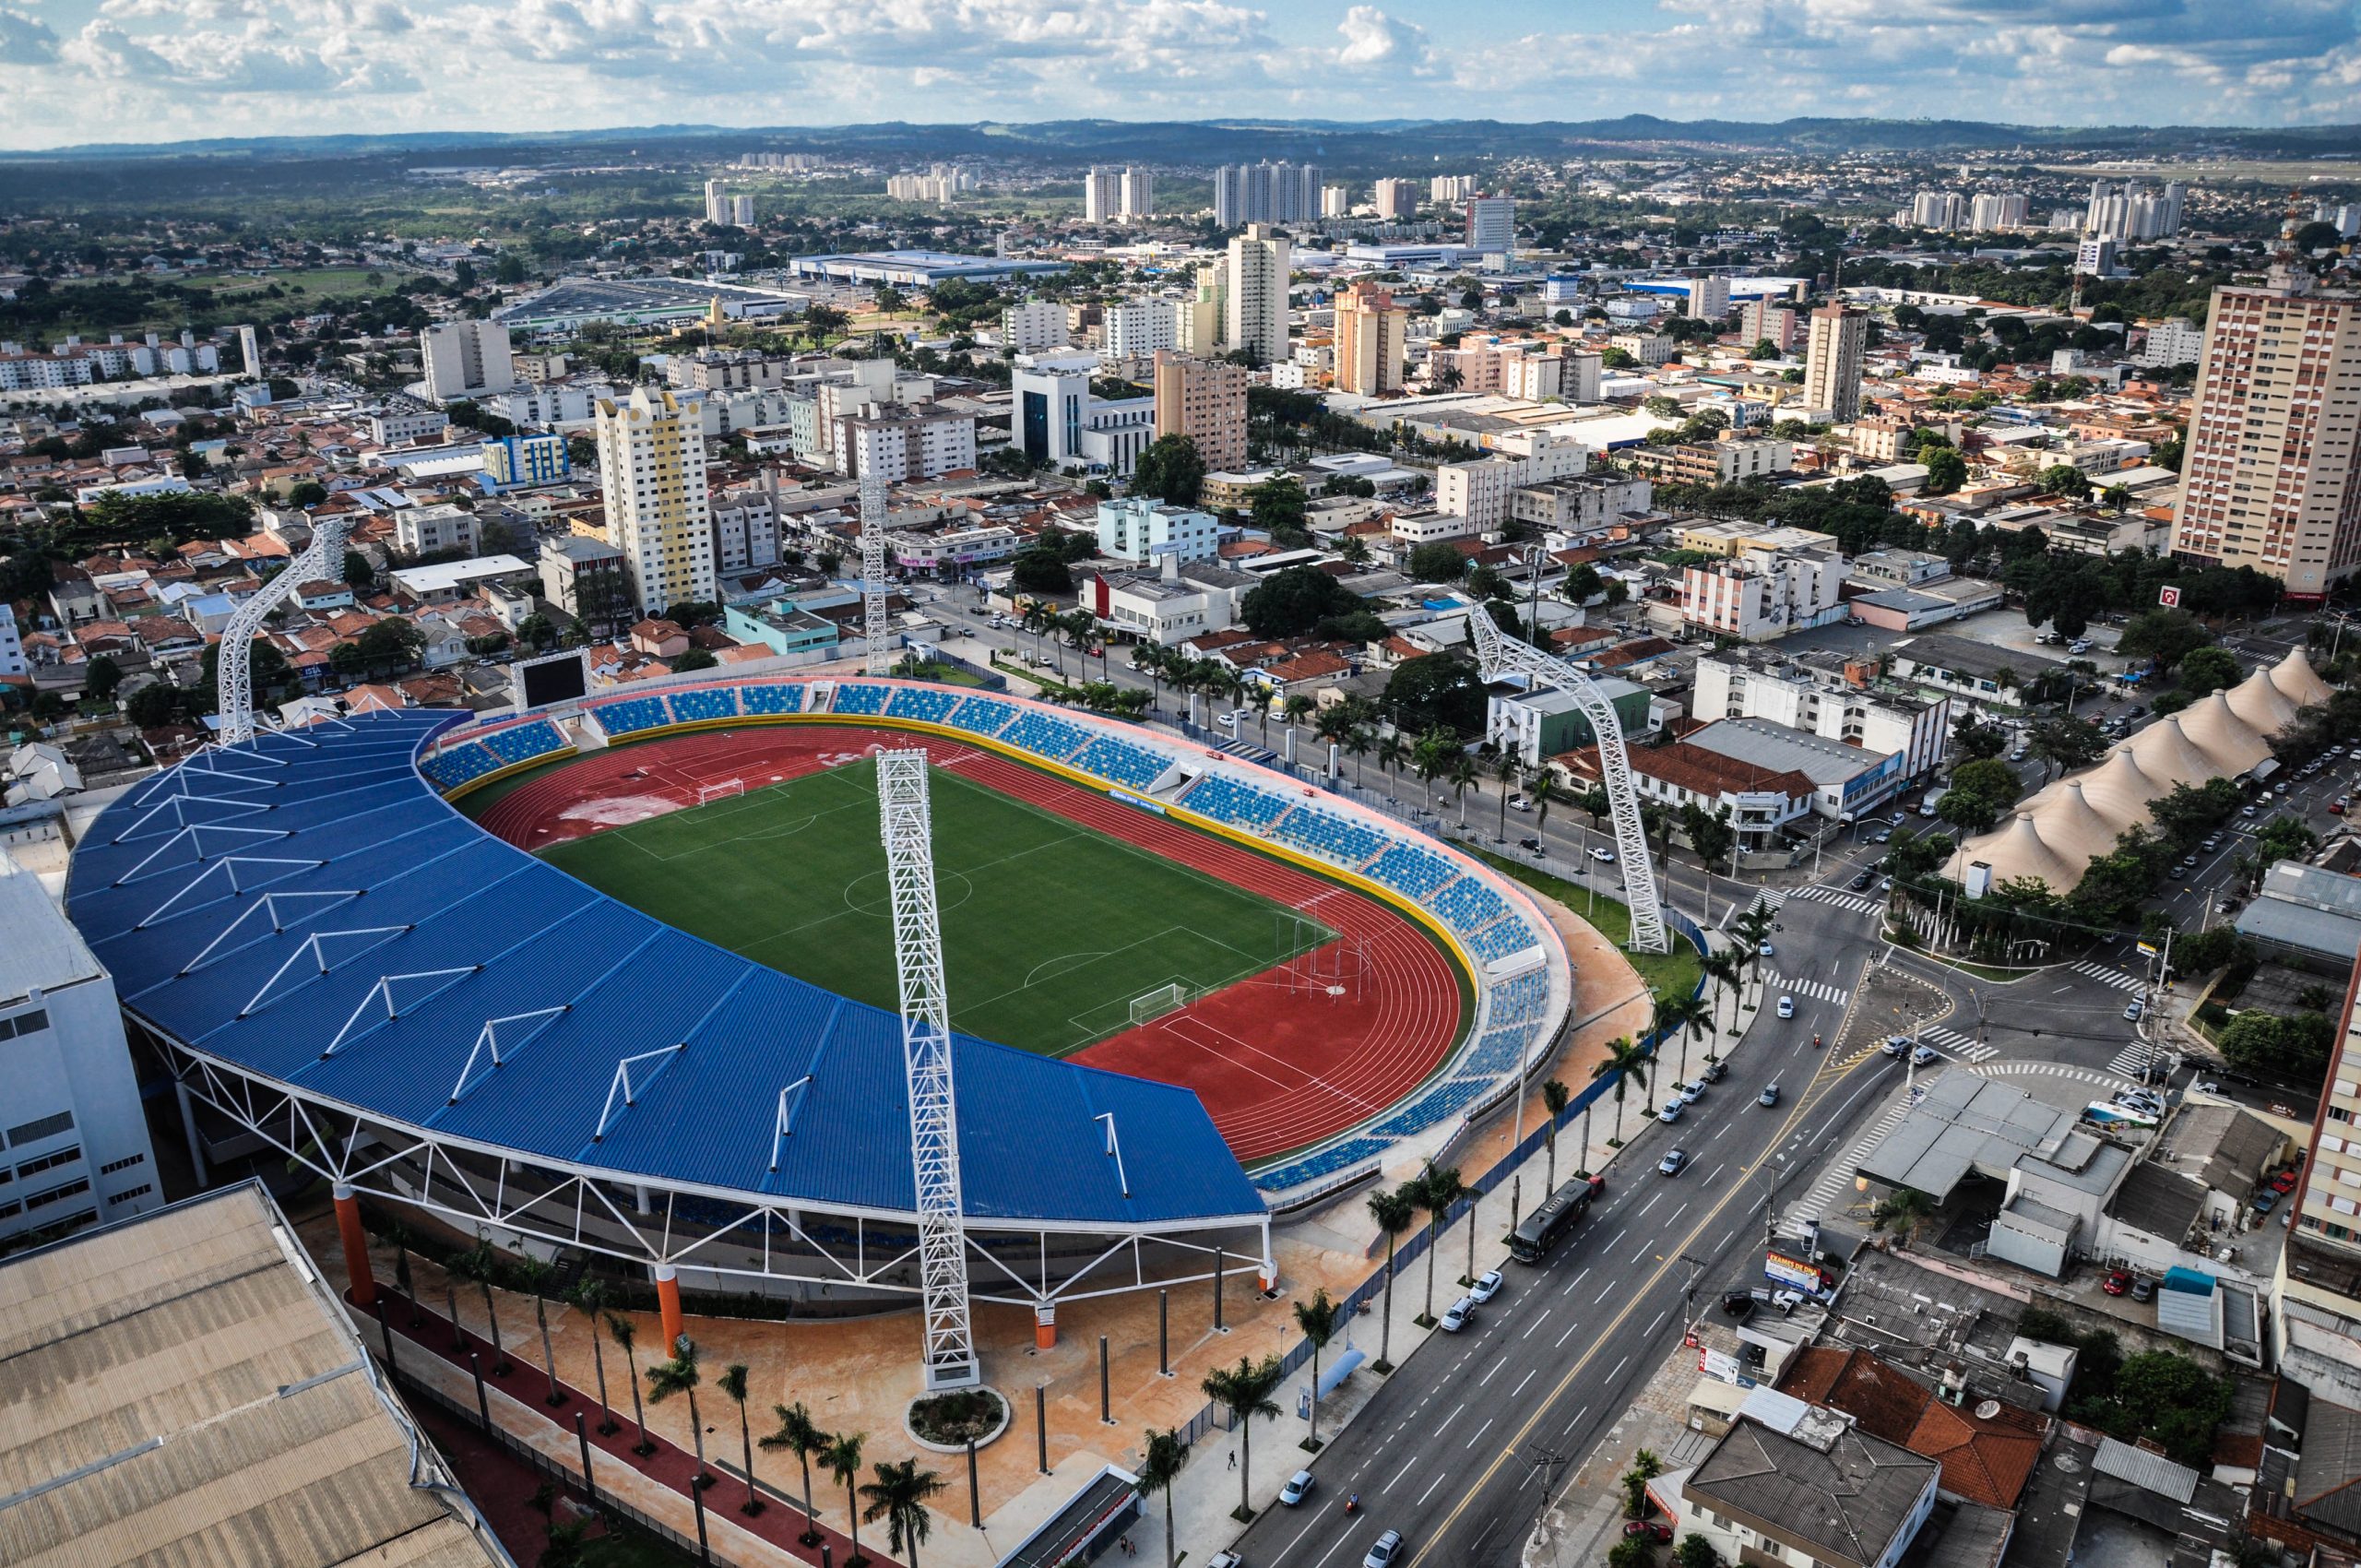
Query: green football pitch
{"x": 1051, "y": 929}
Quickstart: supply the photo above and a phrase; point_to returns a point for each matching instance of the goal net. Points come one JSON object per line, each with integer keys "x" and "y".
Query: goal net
{"x": 708, "y": 793}
{"x": 1163, "y": 999}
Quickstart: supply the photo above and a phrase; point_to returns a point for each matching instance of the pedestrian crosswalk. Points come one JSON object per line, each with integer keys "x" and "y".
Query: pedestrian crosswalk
{"x": 2057, "y": 1070}
{"x": 1819, "y": 990}
{"x": 1856, "y": 902}
{"x": 1767, "y": 900}
{"x": 1960, "y": 1047}
{"x": 2134, "y": 1060}
{"x": 2095, "y": 971}
{"x": 1836, "y": 1179}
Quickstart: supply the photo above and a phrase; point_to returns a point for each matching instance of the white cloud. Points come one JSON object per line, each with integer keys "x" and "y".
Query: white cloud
{"x": 177, "y": 67}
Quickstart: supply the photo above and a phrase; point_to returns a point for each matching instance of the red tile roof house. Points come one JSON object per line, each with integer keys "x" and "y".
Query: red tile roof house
{"x": 1987, "y": 1450}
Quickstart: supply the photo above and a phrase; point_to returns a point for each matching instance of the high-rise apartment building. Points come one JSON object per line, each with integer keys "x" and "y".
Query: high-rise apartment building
{"x": 1203, "y": 400}
{"x": 1709, "y": 297}
{"x": 2174, "y": 340}
{"x": 1032, "y": 326}
{"x": 1491, "y": 224}
{"x": 1990, "y": 211}
{"x": 1766, "y": 321}
{"x": 1934, "y": 210}
{"x": 741, "y": 212}
{"x": 1839, "y": 336}
{"x": 1139, "y": 191}
{"x": 250, "y": 353}
{"x": 1102, "y": 194}
{"x": 2270, "y": 477}
{"x": 1396, "y": 198}
{"x": 1257, "y": 307}
{"x": 1371, "y": 332}
{"x": 905, "y": 444}
{"x": 1335, "y": 201}
{"x": 2094, "y": 255}
{"x": 466, "y": 359}
{"x": 1447, "y": 188}
{"x": 1265, "y": 193}
{"x": 717, "y": 202}
{"x": 651, "y": 467}
{"x": 2133, "y": 211}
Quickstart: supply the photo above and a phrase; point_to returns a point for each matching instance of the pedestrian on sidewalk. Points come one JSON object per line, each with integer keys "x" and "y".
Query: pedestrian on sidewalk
{"x": 1233, "y": 1458}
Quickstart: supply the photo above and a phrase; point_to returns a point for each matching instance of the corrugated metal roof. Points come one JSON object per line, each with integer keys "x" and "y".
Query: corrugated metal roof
{"x": 369, "y": 874}
{"x": 2151, "y": 1472}
{"x": 43, "y": 952}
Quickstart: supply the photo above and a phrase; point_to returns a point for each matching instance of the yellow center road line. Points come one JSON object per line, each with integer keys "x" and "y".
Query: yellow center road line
{"x": 1824, "y": 1079}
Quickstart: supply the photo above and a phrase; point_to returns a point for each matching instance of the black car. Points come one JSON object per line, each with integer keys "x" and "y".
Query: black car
{"x": 1738, "y": 1304}
{"x": 1863, "y": 880}
{"x": 1713, "y": 1072}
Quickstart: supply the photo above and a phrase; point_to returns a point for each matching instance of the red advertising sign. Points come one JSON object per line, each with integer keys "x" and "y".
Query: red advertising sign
{"x": 2169, "y": 597}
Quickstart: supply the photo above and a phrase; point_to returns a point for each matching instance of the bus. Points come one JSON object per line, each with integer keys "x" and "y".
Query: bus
{"x": 1545, "y": 1226}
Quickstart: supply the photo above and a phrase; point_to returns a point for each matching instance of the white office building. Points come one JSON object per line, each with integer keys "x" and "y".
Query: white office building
{"x": 12, "y": 647}
{"x": 1136, "y": 329}
{"x": 466, "y": 359}
{"x": 73, "y": 1146}
{"x": 1055, "y": 419}
{"x": 1479, "y": 491}
{"x": 1813, "y": 693}
{"x": 1491, "y": 225}
{"x": 1036, "y": 324}
{"x": 1140, "y": 528}
{"x": 1256, "y": 301}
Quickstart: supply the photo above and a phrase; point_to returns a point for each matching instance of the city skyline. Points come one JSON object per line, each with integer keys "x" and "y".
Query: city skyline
{"x": 312, "y": 67}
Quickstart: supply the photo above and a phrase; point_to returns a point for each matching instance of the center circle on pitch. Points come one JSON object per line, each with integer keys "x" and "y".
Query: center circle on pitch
{"x": 869, "y": 895}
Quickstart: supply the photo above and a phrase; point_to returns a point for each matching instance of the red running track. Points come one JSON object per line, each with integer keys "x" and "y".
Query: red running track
{"x": 1278, "y": 1060}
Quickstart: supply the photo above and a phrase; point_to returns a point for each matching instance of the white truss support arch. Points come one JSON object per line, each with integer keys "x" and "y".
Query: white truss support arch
{"x": 907, "y": 826}
{"x": 628, "y": 1091}
{"x": 323, "y": 558}
{"x": 228, "y": 866}
{"x": 384, "y": 990}
{"x": 1502, "y": 655}
{"x": 487, "y": 1040}
{"x": 872, "y": 569}
{"x": 786, "y": 1123}
{"x": 267, "y": 906}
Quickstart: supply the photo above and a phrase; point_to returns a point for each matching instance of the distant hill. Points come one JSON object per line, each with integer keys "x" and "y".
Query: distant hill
{"x": 1345, "y": 144}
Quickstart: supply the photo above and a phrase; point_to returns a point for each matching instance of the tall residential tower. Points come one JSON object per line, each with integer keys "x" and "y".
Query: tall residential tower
{"x": 651, "y": 465}
{"x": 1839, "y": 336}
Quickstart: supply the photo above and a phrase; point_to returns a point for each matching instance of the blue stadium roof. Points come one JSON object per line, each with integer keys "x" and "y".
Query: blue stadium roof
{"x": 334, "y": 838}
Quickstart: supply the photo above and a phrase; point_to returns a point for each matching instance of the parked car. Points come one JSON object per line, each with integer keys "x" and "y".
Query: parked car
{"x": 1738, "y": 1304}
{"x": 1770, "y": 1095}
{"x": 1672, "y": 1109}
{"x": 1692, "y": 1093}
{"x": 1519, "y": 803}
{"x": 1766, "y": 950}
{"x": 2135, "y": 1009}
{"x": 1895, "y": 1045}
{"x": 1531, "y": 846}
{"x": 1786, "y": 1300}
{"x": 2284, "y": 1182}
{"x": 2337, "y": 806}
{"x": 2144, "y": 1289}
{"x": 1487, "y": 1284}
{"x": 2264, "y": 1200}
{"x": 1298, "y": 1487}
{"x": 1673, "y": 1162}
{"x": 1224, "y": 1560}
{"x": 1648, "y": 1529}
{"x": 1458, "y": 1316}
{"x": 1712, "y": 1072}
{"x": 1388, "y": 1547}
{"x": 2116, "y": 1282}
{"x": 1787, "y": 1008}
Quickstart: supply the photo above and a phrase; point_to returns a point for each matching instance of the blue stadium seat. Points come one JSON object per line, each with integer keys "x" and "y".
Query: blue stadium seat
{"x": 1327, "y": 1162}
{"x": 1522, "y": 1000}
{"x": 1468, "y": 905}
{"x": 704, "y": 704}
{"x": 929, "y": 704}
{"x": 1226, "y": 799}
{"x": 524, "y": 742}
{"x": 1497, "y": 1052}
{"x": 1445, "y": 1100}
{"x": 870, "y": 700}
{"x": 770, "y": 700}
{"x": 1347, "y": 843}
{"x": 632, "y": 715}
{"x": 455, "y": 765}
{"x": 1412, "y": 869}
{"x": 1121, "y": 762}
{"x": 1501, "y": 939}
{"x": 983, "y": 716}
{"x": 1044, "y": 736}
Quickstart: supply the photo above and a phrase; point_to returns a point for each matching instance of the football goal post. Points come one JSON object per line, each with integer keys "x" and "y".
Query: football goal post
{"x": 708, "y": 793}
{"x": 1162, "y": 999}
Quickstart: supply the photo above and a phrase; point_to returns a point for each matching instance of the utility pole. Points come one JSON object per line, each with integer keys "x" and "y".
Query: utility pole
{"x": 1776, "y": 1172}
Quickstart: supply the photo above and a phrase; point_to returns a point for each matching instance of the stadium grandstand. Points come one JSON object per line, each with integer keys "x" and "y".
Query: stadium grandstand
{"x": 336, "y": 960}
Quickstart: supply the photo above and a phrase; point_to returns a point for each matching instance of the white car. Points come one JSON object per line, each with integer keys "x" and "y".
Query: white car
{"x": 1924, "y": 1055}
{"x": 1786, "y": 1300}
{"x": 1767, "y": 951}
{"x": 1486, "y": 1286}
{"x": 1298, "y": 1487}
{"x": 1787, "y": 1008}
{"x": 1519, "y": 803}
{"x": 1692, "y": 1093}
{"x": 1603, "y": 857}
{"x": 1456, "y": 1316}
{"x": 1672, "y": 1109}
{"x": 1388, "y": 1549}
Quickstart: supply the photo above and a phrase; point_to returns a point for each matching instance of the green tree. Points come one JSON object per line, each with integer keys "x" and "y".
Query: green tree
{"x": 1317, "y": 1320}
{"x": 1946, "y": 471}
{"x": 1039, "y": 571}
{"x": 1905, "y": 1209}
{"x": 2209, "y": 669}
{"x": 2165, "y": 1398}
{"x": 695, "y": 659}
{"x": 1624, "y": 1062}
{"x": 1393, "y": 1208}
{"x": 800, "y": 1435}
{"x": 480, "y": 1265}
{"x": 1434, "y": 690}
{"x": 1979, "y": 793}
{"x": 1437, "y": 563}
{"x": 732, "y": 1382}
{"x": 899, "y": 1496}
{"x": 1695, "y": 1551}
{"x": 680, "y": 1375}
{"x": 1555, "y": 1097}
{"x": 1279, "y": 509}
{"x": 2064, "y": 480}
{"x": 1439, "y": 1188}
{"x": 1163, "y": 1455}
{"x": 2285, "y": 838}
{"x": 1245, "y": 1391}
{"x": 626, "y": 1333}
{"x": 1171, "y": 470}
{"x": 1291, "y": 603}
{"x": 1976, "y": 739}
{"x": 2068, "y": 742}
{"x": 2163, "y": 636}
{"x": 1646, "y": 1467}
{"x": 101, "y": 677}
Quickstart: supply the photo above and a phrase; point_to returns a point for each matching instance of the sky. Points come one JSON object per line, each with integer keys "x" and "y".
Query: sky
{"x": 81, "y": 71}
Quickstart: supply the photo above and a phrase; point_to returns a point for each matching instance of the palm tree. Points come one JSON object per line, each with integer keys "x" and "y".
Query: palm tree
{"x": 1461, "y": 774}
{"x": 1317, "y": 1318}
{"x": 1152, "y": 659}
{"x": 1508, "y": 770}
{"x": 398, "y": 1234}
{"x": 1677, "y": 1015}
{"x": 1294, "y": 707}
{"x": 1394, "y": 1209}
{"x": 1358, "y": 742}
{"x": 801, "y": 1435}
{"x": 591, "y": 1297}
{"x": 680, "y": 1375}
{"x": 481, "y": 1266}
{"x": 1245, "y": 1391}
{"x": 732, "y": 1382}
{"x": 1905, "y": 1210}
{"x": 841, "y": 1459}
{"x": 1390, "y": 752}
{"x": 1625, "y": 1062}
{"x": 536, "y": 1273}
{"x": 1162, "y": 1456}
{"x": 1555, "y": 1097}
{"x": 1438, "y": 1189}
{"x": 1542, "y": 791}
{"x": 624, "y": 1331}
{"x": 899, "y": 1496}
{"x": 1722, "y": 969}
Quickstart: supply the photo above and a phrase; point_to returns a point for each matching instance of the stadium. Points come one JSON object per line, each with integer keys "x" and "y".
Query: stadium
{"x": 615, "y": 976}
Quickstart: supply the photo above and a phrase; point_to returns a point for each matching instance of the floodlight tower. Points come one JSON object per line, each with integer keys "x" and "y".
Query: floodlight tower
{"x": 323, "y": 558}
{"x": 1501, "y": 654}
{"x": 905, "y": 824}
{"x": 872, "y": 567}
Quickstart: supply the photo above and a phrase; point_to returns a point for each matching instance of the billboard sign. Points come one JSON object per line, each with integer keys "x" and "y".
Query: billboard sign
{"x": 1784, "y": 1270}
{"x": 2169, "y": 597}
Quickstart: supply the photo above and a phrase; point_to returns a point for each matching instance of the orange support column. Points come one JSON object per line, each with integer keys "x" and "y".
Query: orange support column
{"x": 668, "y": 1307}
{"x": 1045, "y": 1326}
{"x": 356, "y": 1247}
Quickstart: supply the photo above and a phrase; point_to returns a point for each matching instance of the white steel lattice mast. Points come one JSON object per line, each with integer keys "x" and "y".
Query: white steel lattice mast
{"x": 872, "y": 568}
{"x": 234, "y": 672}
{"x": 1501, "y": 654}
{"x": 905, "y": 821}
